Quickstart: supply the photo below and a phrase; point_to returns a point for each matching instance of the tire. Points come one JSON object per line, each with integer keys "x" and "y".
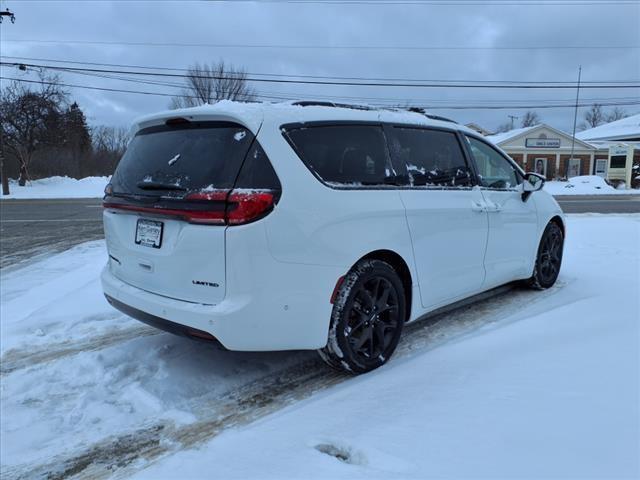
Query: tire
{"x": 548, "y": 259}
{"x": 367, "y": 318}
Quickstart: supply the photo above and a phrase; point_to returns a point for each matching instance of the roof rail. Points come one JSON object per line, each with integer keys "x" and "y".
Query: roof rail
{"x": 429, "y": 115}
{"x": 315, "y": 103}
{"x": 320, "y": 103}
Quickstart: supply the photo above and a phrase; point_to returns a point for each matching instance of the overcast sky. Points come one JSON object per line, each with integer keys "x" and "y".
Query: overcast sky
{"x": 401, "y": 28}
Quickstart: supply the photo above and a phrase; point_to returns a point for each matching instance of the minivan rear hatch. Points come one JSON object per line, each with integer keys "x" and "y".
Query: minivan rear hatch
{"x": 165, "y": 208}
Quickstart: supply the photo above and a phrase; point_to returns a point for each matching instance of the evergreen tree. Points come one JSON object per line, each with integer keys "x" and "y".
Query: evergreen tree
{"x": 77, "y": 139}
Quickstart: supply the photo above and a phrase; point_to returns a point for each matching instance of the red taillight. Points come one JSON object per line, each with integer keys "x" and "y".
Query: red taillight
{"x": 212, "y": 217}
{"x": 234, "y": 207}
{"x": 243, "y": 207}
{"x": 215, "y": 196}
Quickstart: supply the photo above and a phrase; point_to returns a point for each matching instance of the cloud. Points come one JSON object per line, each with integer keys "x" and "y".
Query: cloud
{"x": 339, "y": 24}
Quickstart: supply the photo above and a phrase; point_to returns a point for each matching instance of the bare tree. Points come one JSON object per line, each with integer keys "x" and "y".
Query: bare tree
{"x": 31, "y": 119}
{"x": 110, "y": 139}
{"x": 530, "y": 119}
{"x": 617, "y": 114}
{"x": 594, "y": 117}
{"x": 212, "y": 83}
{"x": 503, "y": 127}
{"x": 109, "y": 144}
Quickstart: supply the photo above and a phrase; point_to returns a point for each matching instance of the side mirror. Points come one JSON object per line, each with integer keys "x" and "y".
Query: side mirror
{"x": 532, "y": 183}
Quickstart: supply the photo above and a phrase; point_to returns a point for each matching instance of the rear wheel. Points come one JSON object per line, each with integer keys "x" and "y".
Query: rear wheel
{"x": 549, "y": 258}
{"x": 367, "y": 318}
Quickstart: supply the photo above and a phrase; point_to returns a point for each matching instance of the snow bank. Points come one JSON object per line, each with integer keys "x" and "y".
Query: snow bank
{"x": 74, "y": 370}
{"x": 548, "y": 387}
{"x": 59, "y": 187}
{"x": 585, "y": 185}
{"x": 550, "y": 392}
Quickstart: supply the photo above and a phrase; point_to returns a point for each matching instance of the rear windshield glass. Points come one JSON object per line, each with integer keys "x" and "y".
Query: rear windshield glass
{"x": 348, "y": 155}
{"x": 173, "y": 159}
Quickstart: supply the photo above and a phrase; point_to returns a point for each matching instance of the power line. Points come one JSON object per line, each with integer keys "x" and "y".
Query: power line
{"x": 443, "y": 2}
{"x": 439, "y": 107}
{"x": 394, "y": 100}
{"x": 321, "y": 82}
{"x": 331, "y": 77}
{"x": 262, "y": 95}
{"x": 325, "y": 47}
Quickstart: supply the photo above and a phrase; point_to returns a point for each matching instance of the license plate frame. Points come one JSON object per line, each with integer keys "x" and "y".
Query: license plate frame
{"x": 150, "y": 235}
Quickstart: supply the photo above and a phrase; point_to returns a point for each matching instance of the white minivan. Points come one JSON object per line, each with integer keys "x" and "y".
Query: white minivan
{"x": 316, "y": 226}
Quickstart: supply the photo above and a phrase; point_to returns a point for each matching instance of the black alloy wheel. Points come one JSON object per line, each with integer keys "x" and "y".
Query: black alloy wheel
{"x": 367, "y": 318}
{"x": 549, "y": 259}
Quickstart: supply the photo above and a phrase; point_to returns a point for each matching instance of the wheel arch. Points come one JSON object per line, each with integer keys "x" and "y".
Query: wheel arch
{"x": 556, "y": 219}
{"x": 402, "y": 269}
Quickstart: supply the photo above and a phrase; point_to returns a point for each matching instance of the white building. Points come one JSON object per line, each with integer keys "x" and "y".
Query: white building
{"x": 625, "y": 129}
{"x": 546, "y": 150}
{"x": 621, "y": 140}
{"x": 611, "y": 150}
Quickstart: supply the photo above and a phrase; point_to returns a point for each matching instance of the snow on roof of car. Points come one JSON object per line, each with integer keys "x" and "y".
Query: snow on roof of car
{"x": 628, "y": 127}
{"x": 252, "y": 114}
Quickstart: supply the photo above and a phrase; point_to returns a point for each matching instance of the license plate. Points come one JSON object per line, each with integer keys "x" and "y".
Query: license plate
{"x": 149, "y": 233}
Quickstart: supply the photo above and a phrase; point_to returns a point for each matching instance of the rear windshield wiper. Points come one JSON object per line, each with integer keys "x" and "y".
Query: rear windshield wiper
{"x": 159, "y": 186}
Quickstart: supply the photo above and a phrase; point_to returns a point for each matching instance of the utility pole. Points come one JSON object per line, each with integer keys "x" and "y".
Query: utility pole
{"x": 5, "y": 179}
{"x": 512, "y": 117}
{"x": 575, "y": 119}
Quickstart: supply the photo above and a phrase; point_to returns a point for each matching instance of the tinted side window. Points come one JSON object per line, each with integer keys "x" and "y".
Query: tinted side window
{"x": 353, "y": 155}
{"x": 432, "y": 157}
{"x": 256, "y": 171}
{"x": 494, "y": 170}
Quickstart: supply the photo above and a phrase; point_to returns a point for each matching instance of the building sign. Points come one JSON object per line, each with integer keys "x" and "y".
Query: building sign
{"x": 620, "y": 163}
{"x": 542, "y": 143}
{"x": 615, "y": 150}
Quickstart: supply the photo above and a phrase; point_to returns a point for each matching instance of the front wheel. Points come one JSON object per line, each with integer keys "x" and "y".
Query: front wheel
{"x": 549, "y": 258}
{"x": 367, "y": 318}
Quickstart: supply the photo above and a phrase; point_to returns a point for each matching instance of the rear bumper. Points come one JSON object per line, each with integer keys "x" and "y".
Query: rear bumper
{"x": 159, "y": 323}
{"x": 292, "y": 318}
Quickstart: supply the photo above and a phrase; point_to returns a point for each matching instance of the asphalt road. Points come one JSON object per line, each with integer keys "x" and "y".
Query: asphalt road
{"x": 600, "y": 203}
{"x": 31, "y": 228}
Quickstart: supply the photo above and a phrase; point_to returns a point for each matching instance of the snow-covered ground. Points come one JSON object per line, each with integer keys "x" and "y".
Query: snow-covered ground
{"x": 585, "y": 185}
{"x": 59, "y": 187}
{"x": 93, "y": 187}
{"x": 522, "y": 384}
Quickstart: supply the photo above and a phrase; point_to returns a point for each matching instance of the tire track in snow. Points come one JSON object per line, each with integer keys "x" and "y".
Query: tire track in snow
{"x": 18, "y": 359}
{"x": 239, "y": 407}
{"x": 134, "y": 450}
